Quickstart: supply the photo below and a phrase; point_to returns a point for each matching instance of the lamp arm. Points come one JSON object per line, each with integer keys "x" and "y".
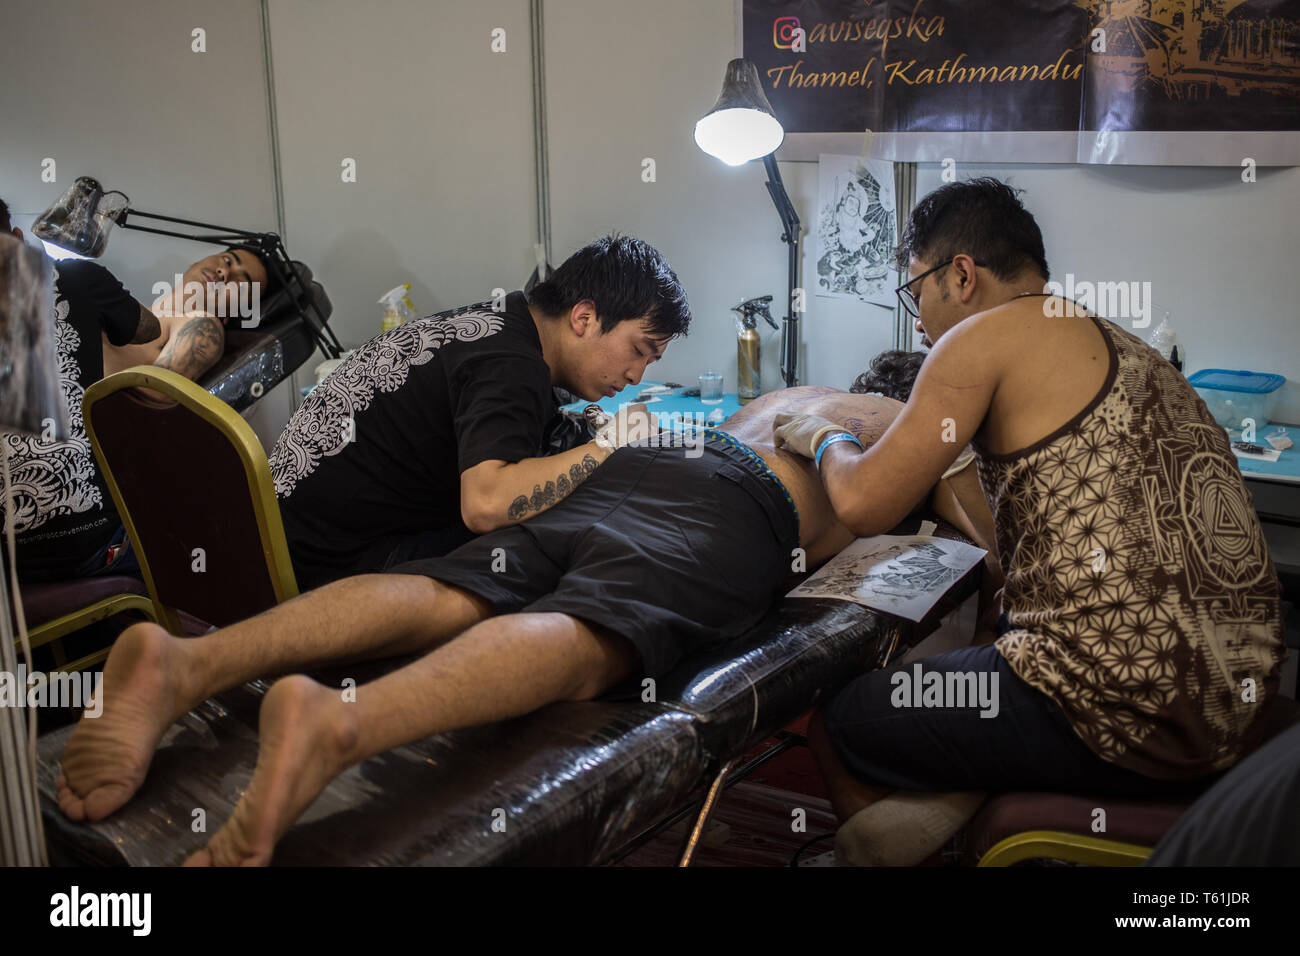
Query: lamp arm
{"x": 140, "y": 214}
{"x": 273, "y": 252}
{"x": 790, "y": 223}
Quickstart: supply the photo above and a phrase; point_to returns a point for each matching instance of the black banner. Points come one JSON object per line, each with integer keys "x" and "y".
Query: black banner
{"x": 1104, "y": 74}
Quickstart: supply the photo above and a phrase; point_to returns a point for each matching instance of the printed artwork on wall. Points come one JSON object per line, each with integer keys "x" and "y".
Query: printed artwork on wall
{"x": 856, "y": 229}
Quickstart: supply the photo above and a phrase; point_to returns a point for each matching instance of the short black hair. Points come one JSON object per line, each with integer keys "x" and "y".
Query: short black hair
{"x": 271, "y": 284}
{"x": 892, "y": 373}
{"x": 625, "y": 278}
{"x": 982, "y": 218}
{"x": 5, "y": 224}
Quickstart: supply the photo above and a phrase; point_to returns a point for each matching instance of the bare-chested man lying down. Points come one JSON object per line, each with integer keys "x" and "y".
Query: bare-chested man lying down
{"x": 662, "y": 552}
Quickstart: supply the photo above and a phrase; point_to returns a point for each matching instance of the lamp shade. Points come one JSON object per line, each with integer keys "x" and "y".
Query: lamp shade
{"x": 82, "y": 218}
{"x": 741, "y": 126}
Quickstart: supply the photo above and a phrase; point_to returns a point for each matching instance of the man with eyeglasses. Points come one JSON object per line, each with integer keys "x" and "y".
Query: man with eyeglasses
{"x": 1140, "y": 635}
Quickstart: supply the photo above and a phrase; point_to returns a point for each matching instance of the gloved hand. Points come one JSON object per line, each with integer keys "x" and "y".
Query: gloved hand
{"x": 802, "y": 434}
{"x": 632, "y": 423}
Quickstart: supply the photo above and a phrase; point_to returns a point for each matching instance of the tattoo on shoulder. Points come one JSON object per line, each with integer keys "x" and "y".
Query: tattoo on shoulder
{"x": 194, "y": 347}
{"x": 554, "y": 491}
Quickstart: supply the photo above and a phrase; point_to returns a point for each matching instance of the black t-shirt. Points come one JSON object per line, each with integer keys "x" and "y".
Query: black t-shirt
{"x": 375, "y": 452}
{"x": 63, "y": 507}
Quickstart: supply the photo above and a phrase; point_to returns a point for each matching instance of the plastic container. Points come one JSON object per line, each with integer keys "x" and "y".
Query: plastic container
{"x": 1234, "y": 396}
{"x": 398, "y": 307}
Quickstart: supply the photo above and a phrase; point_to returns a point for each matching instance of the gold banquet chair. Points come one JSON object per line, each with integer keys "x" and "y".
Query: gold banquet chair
{"x": 193, "y": 486}
{"x": 56, "y": 609}
{"x": 1016, "y": 826}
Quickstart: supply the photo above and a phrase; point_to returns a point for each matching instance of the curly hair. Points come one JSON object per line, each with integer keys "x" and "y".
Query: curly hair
{"x": 892, "y": 374}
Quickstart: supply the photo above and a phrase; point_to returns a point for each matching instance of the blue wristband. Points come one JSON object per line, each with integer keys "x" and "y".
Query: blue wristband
{"x": 838, "y": 436}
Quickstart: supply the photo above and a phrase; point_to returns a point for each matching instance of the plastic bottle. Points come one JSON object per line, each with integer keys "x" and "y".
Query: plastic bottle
{"x": 397, "y": 307}
{"x": 1162, "y": 339}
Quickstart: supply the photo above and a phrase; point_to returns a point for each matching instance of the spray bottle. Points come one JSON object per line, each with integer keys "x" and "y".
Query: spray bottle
{"x": 397, "y": 307}
{"x": 747, "y": 345}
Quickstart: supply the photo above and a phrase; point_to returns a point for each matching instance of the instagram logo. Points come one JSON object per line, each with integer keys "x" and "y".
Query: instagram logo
{"x": 785, "y": 30}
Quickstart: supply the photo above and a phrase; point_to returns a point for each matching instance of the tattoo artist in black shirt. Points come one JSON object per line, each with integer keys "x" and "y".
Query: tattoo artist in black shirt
{"x": 434, "y": 431}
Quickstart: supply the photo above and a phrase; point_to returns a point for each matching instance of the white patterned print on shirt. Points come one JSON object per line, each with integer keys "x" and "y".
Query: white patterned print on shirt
{"x": 319, "y": 427}
{"x": 55, "y": 477}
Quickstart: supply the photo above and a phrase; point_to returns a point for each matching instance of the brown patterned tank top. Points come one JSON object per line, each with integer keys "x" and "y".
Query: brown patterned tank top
{"x": 1139, "y": 588}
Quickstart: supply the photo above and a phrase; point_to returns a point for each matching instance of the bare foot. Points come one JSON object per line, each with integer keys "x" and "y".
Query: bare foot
{"x": 307, "y": 736}
{"x": 107, "y": 756}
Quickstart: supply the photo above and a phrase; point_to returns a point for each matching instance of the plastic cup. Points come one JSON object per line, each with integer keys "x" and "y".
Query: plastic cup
{"x": 711, "y": 388}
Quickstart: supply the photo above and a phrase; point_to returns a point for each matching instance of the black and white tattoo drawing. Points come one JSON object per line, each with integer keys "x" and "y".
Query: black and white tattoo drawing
{"x": 905, "y": 576}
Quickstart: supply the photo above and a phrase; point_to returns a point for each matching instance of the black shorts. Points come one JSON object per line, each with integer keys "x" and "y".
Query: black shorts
{"x": 677, "y": 549}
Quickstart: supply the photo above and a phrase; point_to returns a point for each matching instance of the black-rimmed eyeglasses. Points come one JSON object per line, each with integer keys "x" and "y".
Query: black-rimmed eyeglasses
{"x": 905, "y": 295}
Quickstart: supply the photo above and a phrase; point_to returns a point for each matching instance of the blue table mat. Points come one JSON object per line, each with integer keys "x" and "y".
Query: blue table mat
{"x": 671, "y": 409}
{"x": 1287, "y": 466}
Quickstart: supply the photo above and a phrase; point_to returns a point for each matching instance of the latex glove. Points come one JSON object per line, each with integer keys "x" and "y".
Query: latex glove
{"x": 631, "y": 423}
{"x": 802, "y": 434}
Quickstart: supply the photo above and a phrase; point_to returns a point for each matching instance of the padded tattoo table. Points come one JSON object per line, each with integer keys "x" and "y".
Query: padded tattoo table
{"x": 256, "y": 360}
{"x": 570, "y": 784}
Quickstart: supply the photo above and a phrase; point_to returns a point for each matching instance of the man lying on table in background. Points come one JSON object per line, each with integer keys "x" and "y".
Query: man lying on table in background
{"x": 65, "y": 522}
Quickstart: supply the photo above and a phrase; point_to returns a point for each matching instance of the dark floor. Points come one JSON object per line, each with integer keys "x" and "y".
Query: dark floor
{"x": 755, "y": 822}
{"x": 752, "y": 826}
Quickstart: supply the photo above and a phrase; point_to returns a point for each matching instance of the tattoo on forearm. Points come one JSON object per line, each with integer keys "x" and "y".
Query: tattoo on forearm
{"x": 194, "y": 348}
{"x": 147, "y": 330}
{"x": 554, "y": 492}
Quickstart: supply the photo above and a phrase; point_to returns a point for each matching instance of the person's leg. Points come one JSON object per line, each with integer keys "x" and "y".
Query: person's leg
{"x": 500, "y": 668}
{"x": 152, "y": 678}
{"x": 881, "y": 826}
{"x": 909, "y": 789}
{"x": 848, "y": 794}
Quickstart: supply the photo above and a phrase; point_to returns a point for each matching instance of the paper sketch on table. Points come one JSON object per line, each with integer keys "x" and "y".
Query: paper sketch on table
{"x": 900, "y": 575}
{"x": 856, "y": 229}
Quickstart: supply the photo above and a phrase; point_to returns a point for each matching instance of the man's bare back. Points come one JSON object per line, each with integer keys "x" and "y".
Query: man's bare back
{"x": 821, "y": 535}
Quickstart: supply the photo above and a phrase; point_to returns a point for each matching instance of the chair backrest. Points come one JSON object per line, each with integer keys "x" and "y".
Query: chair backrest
{"x": 192, "y": 485}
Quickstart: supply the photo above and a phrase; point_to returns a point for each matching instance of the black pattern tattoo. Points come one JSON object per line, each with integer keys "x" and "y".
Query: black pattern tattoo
{"x": 194, "y": 348}
{"x": 554, "y": 492}
{"x": 148, "y": 329}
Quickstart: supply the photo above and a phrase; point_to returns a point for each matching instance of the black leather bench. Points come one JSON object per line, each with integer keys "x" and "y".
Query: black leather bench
{"x": 571, "y": 784}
